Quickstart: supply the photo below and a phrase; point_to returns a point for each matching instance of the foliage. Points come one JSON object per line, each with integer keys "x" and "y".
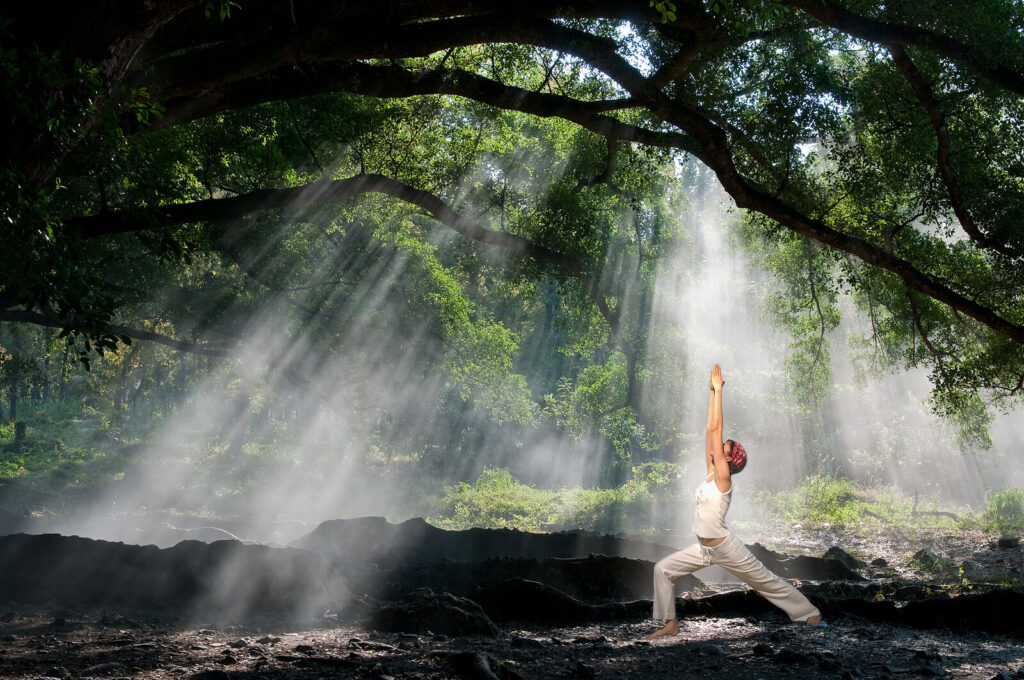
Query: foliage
{"x": 865, "y": 182}
{"x": 499, "y": 500}
{"x": 837, "y": 502}
{"x": 1004, "y": 511}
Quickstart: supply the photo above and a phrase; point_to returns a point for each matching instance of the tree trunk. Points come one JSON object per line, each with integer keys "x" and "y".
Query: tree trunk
{"x": 62, "y": 390}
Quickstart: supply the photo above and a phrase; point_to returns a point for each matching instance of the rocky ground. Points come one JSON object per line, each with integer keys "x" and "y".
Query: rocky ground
{"x": 50, "y": 641}
{"x": 977, "y": 552}
{"x": 95, "y": 644}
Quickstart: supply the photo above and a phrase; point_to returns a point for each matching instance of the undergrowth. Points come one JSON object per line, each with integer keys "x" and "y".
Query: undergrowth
{"x": 498, "y": 500}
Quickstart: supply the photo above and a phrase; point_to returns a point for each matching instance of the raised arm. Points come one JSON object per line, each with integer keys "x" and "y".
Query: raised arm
{"x": 713, "y": 445}
{"x": 708, "y": 450}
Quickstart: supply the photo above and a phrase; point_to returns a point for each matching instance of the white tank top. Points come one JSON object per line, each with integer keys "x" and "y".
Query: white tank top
{"x": 712, "y": 504}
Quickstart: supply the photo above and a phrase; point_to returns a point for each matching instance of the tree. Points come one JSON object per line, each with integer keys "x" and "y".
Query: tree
{"x": 890, "y": 135}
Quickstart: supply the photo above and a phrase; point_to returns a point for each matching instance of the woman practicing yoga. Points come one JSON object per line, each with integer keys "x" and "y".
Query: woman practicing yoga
{"x": 715, "y": 545}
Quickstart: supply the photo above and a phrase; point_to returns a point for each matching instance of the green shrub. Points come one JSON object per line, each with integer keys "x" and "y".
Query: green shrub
{"x": 497, "y": 499}
{"x": 839, "y": 502}
{"x": 817, "y": 501}
{"x": 1004, "y": 511}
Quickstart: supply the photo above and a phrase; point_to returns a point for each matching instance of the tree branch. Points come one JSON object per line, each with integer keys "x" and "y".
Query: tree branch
{"x": 715, "y": 153}
{"x": 884, "y": 33}
{"x": 212, "y": 210}
{"x": 938, "y": 118}
{"x": 139, "y": 334}
{"x": 398, "y": 82}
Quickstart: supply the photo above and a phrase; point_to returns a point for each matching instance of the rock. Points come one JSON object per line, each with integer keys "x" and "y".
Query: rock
{"x": 910, "y": 593}
{"x": 584, "y": 671}
{"x": 879, "y": 562}
{"x": 715, "y": 650}
{"x": 114, "y": 619}
{"x": 268, "y": 640}
{"x": 931, "y": 670}
{"x": 829, "y": 666}
{"x": 211, "y": 675}
{"x": 101, "y": 668}
{"x": 530, "y": 601}
{"x": 424, "y": 611}
{"x": 926, "y": 560}
{"x": 58, "y": 672}
{"x": 1007, "y": 541}
{"x": 375, "y": 540}
{"x": 803, "y": 566}
{"x": 602, "y": 576}
{"x": 522, "y": 642}
{"x": 75, "y": 571}
{"x": 1001, "y": 675}
{"x": 761, "y": 649}
{"x": 837, "y": 553}
{"x": 997, "y": 611}
{"x": 972, "y": 569}
{"x": 239, "y": 644}
{"x": 471, "y": 666}
{"x": 788, "y": 657}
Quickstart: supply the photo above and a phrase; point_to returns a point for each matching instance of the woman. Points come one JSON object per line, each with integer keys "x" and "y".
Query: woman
{"x": 715, "y": 545}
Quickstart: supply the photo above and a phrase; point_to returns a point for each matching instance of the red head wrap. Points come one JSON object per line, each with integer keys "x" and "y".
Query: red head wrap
{"x": 739, "y": 458}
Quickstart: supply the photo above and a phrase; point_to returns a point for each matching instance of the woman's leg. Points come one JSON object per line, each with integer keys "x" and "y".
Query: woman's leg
{"x": 667, "y": 571}
{"x": 734, "y": 557}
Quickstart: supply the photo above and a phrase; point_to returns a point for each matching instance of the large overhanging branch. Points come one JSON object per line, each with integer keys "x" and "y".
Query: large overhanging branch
{"x": 220, "y": 209}
{"x": 923, "y": 92}
{"x": 884, "y": 33}
{"x": 21, "y": 316}
{"x": 716, "y": 153}
{"x": 397, "y": 82}
{"x": 705, "y": 140}
{"x": 710, "y": 143}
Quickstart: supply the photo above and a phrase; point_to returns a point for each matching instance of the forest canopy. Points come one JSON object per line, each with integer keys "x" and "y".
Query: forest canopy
{"x": 180, "y": 167}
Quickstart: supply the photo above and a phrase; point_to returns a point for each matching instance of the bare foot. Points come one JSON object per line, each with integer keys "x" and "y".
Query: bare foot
{"x": 814, "y": 620}
{"x": 671, "y": 628}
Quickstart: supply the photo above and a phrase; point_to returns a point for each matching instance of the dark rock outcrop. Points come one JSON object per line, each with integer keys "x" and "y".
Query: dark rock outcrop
{"x": 594, "y": 576}
{"x": 848, "y": 560}
{"x": 532, "y": 602}
{"x": 425, "y": 611}
{"x": 222, "y": 578}
{"x": 375, "y": 540}
{"x": 803, "y": 566}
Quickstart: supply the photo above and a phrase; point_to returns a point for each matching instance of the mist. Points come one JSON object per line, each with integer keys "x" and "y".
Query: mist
{"x": 295, "y": 429}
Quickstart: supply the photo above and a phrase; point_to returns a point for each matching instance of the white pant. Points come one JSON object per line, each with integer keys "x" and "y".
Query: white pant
{"x": 734, "y": 557}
